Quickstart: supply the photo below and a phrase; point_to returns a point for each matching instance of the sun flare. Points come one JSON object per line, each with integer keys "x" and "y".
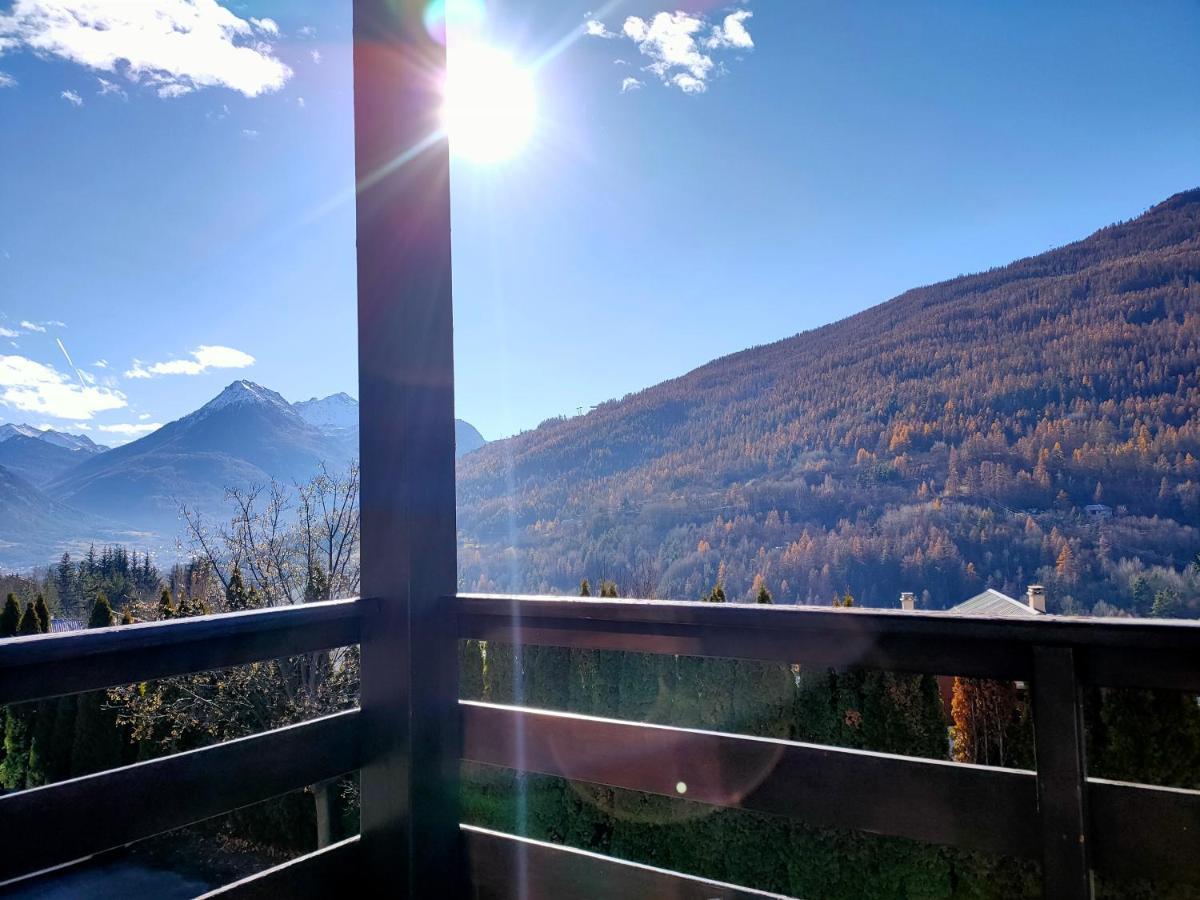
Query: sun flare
{"x": 489, "y": 106}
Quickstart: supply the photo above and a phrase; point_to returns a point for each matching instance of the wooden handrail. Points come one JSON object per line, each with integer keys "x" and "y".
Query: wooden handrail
{"x": 61, "y": 822}
{"x": 1111, "y": 652}
{"x": 66, "y": 663}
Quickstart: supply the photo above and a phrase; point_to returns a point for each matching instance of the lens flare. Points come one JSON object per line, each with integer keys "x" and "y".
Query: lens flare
{"x": 460, "y": 17}
{"x": 489, "y": 104}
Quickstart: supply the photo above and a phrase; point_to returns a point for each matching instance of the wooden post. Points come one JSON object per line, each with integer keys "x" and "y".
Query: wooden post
{"x": 410, "y": 837}
{"x": 1061, "y": 774}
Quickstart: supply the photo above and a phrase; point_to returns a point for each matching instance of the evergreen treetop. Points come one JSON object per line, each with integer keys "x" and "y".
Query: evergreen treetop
{"x": 10, "y": 618}
{"x": 29, "y": 622}
{"x": 102, "y": 613}
{"x": 43, "y": 613}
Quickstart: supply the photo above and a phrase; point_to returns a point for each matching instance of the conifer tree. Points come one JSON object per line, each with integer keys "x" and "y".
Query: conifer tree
{"x": 102, "y": 613}
{"x": 166, "y": 609}
{"x": 30, "y": 623}
{"x": 764, "y": 596}
{"x": 585, "y": 589}
{"x": 10, "y": 617}
{"x": 716, "y": 595}
{"x": 43, "y": 613}
{"x": 126, "y": 616}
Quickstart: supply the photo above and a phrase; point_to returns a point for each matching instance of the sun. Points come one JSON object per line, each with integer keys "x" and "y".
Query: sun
{"x": 489, "y": 106}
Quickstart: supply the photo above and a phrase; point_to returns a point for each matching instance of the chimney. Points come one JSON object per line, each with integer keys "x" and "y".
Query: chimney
{"x": 1037, "y": 598}
{"x": 908, "y": 602}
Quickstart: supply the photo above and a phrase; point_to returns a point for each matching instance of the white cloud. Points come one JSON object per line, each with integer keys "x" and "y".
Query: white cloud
{"x": 111, "y": 87}
{"x": 732, "y": 33}
{"x": 8, "y": 332}
{"x": 316, "y": 56}
{"x": 630, "y": 84}
{"x": 172, "y": 45}
{"x": 307, "y": 31}
{"x": 32, "y": 326}
{"x": 596, "y": 28}
{"x": 100, "y": 364}
{"x": 71, "y": 97}
{"x": 680, "y": 46}
{"x": 300, "y": 102}
{"x": 143, "y": 417}
{"x": 250, "y": 133}
{"x": 203, "y": 359}
{"x": 267, "y": 26}
{"x": 131, "y": 429}
{"x": 171, "y": 91}
{"x": 36, "y": 388}
{"x": 7, "y": 80}
{"x": 82, "y": 426}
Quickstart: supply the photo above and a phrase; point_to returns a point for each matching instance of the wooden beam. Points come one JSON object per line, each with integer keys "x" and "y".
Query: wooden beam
{"x": 1145, "y": 832}
{"x": 61, "y": 822}
{"x": 314, "y": 876}
{"x": 1116, "y": 653}
{"x": 505, "y": 867}
{"x": 974, "y": 807}
{"x": 1058, "y": 732}
{"x": 410, "y": 836}
{"x": 53, "y": 664}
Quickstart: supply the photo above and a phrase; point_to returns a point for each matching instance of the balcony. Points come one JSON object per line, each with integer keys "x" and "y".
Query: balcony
{"x": 1057, "y": 815}
{"x": 412, "y": 732}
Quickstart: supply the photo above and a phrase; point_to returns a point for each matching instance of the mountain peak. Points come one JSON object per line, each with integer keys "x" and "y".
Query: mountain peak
{"x": 243, "y": 392}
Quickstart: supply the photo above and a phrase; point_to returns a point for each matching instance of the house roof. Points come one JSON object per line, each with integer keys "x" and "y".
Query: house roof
{"x": 993, "y": 603}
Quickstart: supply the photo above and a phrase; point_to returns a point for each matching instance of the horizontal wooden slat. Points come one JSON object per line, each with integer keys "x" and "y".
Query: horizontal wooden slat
{"x": 974, "y": 807}
{"x": 505, "y": 867}
{"x": 49, "y": 825}
{"x": 1116, "y": 652}
{"x": 1139, "y": 831}
{"x": 318, "y": 875}
{"x": 53, "y": 664}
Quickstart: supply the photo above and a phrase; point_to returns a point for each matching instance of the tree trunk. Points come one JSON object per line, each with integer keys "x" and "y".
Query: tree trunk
{"x": 323, "y": 797}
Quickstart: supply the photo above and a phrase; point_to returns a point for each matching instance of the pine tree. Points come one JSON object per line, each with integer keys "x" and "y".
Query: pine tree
{"x": 608, "y": 590}
{"x": 764, "y": 596}
{"x": 585, "y": 589}
{"x": 43, "y": 613}
{"x": 10, "y": 618}
{"x": 30, "y": 623}
{"x": 716, "y": 595}
{"x": 102, "y": 614}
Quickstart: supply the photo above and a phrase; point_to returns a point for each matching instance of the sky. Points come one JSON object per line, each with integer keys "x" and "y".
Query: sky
{"x": 176, "y": 182}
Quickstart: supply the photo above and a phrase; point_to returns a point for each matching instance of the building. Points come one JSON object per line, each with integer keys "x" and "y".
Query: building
{"x": 995, "y": 604}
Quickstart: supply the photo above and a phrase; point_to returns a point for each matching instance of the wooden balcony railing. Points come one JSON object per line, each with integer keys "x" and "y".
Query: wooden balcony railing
{"x": 1056, "y": 814}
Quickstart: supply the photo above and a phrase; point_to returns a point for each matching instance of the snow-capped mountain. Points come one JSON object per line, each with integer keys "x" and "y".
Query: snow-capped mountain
{"x": 335, "y": 411}
{"x": 50, "y": 436}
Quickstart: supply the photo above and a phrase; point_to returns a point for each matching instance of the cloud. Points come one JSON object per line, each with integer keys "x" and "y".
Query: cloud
{"x": 32, "y": 326}
{"x": 203, "y": 359}
{"x": 250, "y": 133}
{"x": 110, "y": 87}
{"x": 596, "y": 28}
{"x": 143, "y": 417}
{"x": 300, "y": 102}
{"x": 307, "y": 31}
{"x": 680, "y": 46}
{"x": 7, "y": 80}
{"x": 71, "y": 97}
{"x": 630, "y": 84}
{"x": 36, "y": 388}
{"x": 100, "y": 364}
{"x": 316, "y": 56}
{"x": 131, "y": 429}
{"x": 267, "y": 26}
{"x": 8, "y": 332}
{"x": 732, "y": 33}
{"x": 175, "y": 46}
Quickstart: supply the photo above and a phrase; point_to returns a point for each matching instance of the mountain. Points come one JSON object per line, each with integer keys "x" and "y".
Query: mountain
{"x": 340, "y": 411}
{"x": 37, "y": 460}
{"x": 943, "y": 442}
{"x": 246, "y": 435}
{"x": 334, "y": 411}
{"x": 35, "y": 530}
{"x": 466, "y": 438}
{"x": 49, "y": 436}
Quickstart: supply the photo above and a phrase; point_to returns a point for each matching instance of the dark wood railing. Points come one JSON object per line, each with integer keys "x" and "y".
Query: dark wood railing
{"x": 1055, "y": 814}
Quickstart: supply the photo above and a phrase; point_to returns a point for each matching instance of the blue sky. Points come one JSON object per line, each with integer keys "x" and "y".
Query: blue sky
{"x": 187, "y": 219}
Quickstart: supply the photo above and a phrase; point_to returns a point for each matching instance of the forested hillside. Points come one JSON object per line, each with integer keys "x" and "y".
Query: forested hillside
{"x": 943, "y": 442}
